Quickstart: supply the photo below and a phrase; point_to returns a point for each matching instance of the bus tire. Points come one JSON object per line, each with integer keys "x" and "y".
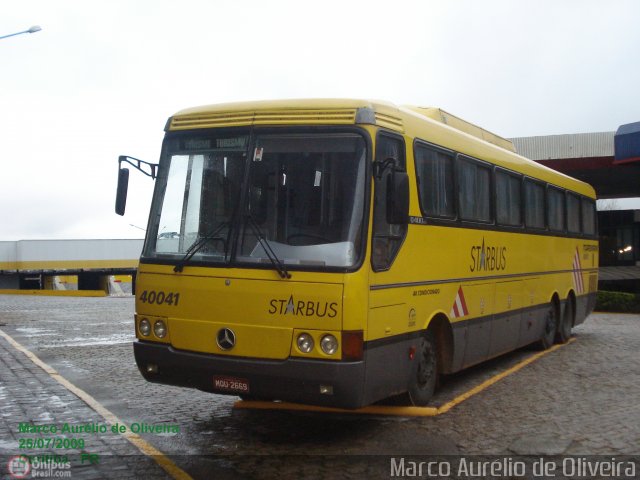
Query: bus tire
{"x": 551, "y": 322}
{"x": 563, "y": 334}
{"x": 424, "y": 372}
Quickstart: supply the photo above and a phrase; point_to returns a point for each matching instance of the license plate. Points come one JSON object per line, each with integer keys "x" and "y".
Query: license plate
{"x": 231, "y": 384}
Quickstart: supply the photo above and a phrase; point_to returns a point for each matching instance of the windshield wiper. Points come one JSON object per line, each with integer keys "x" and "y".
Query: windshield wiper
{"x": 277, "y": 263}
{"x": 198, "y": 244}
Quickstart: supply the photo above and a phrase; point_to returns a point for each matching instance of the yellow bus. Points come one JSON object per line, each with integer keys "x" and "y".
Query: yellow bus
{"x": 342, "y": 252}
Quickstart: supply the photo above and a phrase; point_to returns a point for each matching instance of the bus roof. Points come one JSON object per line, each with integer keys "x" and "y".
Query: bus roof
{"x": 426, "y": 123}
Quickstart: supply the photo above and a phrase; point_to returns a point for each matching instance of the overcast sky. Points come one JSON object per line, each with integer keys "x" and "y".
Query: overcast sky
{"x": 102, "y": 77}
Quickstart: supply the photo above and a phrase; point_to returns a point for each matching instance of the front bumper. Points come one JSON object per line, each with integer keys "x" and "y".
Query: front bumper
{"x": 293, "y": 380}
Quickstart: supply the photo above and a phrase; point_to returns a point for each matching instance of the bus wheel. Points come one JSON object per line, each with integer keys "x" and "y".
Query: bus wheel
{"x": 564, "y": 326}
{"x": 424, "y": 373}
{"x": 551, "y": 322}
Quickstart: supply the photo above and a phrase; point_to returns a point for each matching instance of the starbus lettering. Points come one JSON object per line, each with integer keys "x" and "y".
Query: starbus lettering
{"x": 485, "y": 258}
{"x": 304, "y": 308}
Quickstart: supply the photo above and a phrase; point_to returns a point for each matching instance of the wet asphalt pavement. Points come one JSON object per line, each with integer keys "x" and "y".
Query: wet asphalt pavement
{"x": 577, "y": 400}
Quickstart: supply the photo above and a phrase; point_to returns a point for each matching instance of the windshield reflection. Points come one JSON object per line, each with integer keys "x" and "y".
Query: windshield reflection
{"x": 305, "y": 196}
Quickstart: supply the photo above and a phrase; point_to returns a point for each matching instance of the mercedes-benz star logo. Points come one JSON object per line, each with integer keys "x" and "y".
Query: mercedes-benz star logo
{"x": 226, "y": 339}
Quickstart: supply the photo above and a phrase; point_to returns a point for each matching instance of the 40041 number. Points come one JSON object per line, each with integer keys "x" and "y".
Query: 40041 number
{"x": 159, "y": 298}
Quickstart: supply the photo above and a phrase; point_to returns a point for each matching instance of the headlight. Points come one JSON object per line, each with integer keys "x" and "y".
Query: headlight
{"x": 144, "y": 327}
{"x": 305, "y": 342}
{"x": 160, "y": 329}
{"x": 329, "y": 344}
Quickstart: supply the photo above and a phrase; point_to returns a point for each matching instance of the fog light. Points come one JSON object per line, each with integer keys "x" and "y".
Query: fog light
{"x": 326, "y": 389}
{"x": 152, "y": 368}
{"x": 160, "y": 329}
{"x": 329, "y": 344}
{"x": 305, "y": 342}
{"x": 144, "y": 327}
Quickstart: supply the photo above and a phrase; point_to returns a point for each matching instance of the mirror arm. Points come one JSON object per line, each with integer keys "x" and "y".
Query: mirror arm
{"x": 381, "y": 165}
{"x": 153, "y": 167}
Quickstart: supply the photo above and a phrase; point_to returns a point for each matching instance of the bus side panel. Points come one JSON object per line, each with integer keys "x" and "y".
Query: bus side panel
{"x": 585, "y": 304}
{"x": 505, "y": 329}
{"x": 533, "y": 320}
{"x": 387, "y": 349}
{"x": 479, "y": 300}
{"x": 388, "y": 367}
{"x": 459, "y": 331}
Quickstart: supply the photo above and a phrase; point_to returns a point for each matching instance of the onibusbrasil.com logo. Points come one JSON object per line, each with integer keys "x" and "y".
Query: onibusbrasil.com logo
{"x": 40, "y": 466}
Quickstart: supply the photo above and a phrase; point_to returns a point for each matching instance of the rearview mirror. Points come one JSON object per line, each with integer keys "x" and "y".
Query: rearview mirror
{"x": 121, "y": 193}
{"x": 397, "y": 198}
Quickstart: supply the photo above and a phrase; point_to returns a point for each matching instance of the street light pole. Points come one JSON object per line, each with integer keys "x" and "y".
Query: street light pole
{"x": 33, "y": 29}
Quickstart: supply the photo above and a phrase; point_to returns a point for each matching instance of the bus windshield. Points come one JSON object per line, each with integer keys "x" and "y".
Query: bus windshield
{"x": 224, "y": 200}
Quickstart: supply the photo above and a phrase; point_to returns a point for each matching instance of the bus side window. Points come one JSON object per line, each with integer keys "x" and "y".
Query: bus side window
{"x": 508, "y": 199}
{"x": 474, "y": 190}
{"x": 434, "y": 169}
{"x": 556, "y": 209}
{"x": 534, "y": 204}
{"x": 387, "y": 238}
{"x": 573, "y": 213}
{"x": 588, "y": 216}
